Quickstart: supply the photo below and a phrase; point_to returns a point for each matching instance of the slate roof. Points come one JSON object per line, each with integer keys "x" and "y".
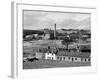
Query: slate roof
{"x": 66, "y": 53}
{"x": 73, "y": 54}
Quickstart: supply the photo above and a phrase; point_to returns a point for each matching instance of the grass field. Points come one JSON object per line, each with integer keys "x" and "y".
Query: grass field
{"x": 52, "y": 64}
{"x": 43, "y": 43}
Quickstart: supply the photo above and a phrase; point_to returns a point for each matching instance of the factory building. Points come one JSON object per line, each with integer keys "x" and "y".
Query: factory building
{"x": 49, "y": 34}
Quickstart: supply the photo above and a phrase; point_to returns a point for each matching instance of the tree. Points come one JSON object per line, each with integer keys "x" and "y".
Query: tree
{"x": 67, "y": 41}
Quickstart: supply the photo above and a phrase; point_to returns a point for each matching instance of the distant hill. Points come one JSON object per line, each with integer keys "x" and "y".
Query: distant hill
{"x": 42, "y": 31}
{"x": 27, "y": 32}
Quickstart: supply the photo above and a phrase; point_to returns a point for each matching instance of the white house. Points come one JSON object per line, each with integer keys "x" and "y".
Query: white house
{"x": 50, "y": 56}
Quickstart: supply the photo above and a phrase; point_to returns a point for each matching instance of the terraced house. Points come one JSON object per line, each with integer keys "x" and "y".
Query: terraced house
{"x": 67, "y": 56}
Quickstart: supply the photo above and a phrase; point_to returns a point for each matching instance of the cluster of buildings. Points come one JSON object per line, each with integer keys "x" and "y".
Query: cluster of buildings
{"x": 62, "y": 55}
{"x": 59, "y": 34}
{"x": 45, "y": 35}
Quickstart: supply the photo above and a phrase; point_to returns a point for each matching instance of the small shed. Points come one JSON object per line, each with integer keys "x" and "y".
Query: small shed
{"x": 39, "y": 55}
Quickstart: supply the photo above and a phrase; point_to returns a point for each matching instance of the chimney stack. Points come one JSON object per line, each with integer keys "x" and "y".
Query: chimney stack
{"x": 55, "y": 31}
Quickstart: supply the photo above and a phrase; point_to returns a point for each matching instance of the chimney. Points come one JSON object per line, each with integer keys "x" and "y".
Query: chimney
{"x": 55, "y": 31}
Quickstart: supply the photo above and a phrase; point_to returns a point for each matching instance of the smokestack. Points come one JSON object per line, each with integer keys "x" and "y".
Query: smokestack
{"x": 55, "y": 31}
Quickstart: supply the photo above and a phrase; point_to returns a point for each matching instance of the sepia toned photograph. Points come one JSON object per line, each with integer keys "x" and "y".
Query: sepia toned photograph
{"x": 54, "y": 39}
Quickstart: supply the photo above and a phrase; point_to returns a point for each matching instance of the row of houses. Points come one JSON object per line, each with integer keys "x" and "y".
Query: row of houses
{"x": 63, "y": 56}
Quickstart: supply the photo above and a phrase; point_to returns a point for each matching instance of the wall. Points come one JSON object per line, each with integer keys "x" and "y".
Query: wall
{"x": 5, "y": 39}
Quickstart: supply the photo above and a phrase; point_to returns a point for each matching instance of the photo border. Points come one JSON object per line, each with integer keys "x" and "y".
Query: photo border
{"x": 17, "y": 70}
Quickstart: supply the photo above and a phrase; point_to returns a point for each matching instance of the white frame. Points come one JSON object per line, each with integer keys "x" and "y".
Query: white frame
{"x": 17, "y": 70}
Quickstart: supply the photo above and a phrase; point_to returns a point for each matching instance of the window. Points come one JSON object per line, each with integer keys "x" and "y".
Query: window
{"x": 75, "y": 58}
{"x": 64, "y": 58}
{"x": 72, "y": 59}
{"x": 68, "y": 57}
{"x": 85, "y": 59}
{"x": 89, "y": 59}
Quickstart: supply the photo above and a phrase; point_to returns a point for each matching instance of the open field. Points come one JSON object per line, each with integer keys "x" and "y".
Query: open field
{"x": 52, "y": 64}
{"x": 43, "y": 43}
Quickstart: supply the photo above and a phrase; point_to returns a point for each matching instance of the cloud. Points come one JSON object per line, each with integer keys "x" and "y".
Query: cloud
{"x": 40, "y": 19}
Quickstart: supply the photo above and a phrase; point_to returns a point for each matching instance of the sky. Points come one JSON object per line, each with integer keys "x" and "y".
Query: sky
{"x": 42, "y": 19}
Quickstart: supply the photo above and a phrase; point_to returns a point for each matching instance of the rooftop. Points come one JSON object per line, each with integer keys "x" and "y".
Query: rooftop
{"x": 73, "y": 54}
